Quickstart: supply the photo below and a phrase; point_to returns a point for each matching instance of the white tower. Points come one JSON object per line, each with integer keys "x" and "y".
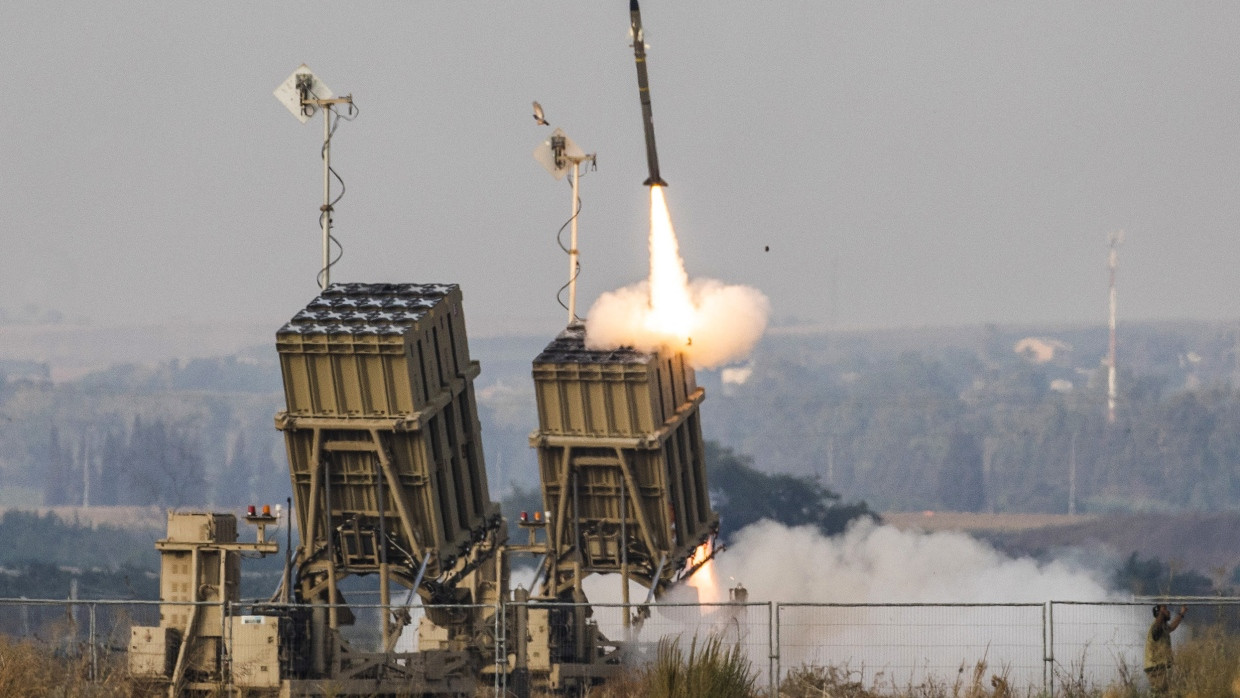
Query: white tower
{"x": 1114, "y": 239}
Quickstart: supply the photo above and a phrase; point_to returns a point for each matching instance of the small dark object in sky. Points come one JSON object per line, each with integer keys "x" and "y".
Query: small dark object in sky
{"x": 538, "y": 115}
{"x": 767, "y": 248}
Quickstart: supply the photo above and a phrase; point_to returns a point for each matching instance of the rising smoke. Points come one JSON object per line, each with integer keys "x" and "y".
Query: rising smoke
{"x": 729, "y": 321}
{"x": 903, "y": 606}
{"x": 873, "y": 563}
{"x": 881, "y": 564}
{"x": 711, "y": 322}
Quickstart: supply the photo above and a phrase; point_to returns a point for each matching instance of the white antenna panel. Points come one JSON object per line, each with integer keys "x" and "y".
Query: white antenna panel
{"x": 558, "y": 164}
{"x": 290, "y": 95}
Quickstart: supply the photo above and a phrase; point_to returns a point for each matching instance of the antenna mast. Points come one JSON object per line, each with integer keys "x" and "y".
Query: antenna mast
{"x": 556, "y": 154}
{"x": 304, "y": 94}
{"x": 1114, "y": 239}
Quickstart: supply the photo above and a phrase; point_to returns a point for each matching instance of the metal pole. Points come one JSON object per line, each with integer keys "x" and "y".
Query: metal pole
{"x": 1048, "y": 647}
{"x": 772, "y": 637}
{"x": 227, "y": 651}
{"x": 500, "y": 649}
{"x": 624, "y": 558}
{"x": 572, "y": 251}
{"x": 288, "y": 551}
{"x": 94, "y": 653}
{"x": 332, "y": 612}
{"x": 1113, "y": 262}
{"x": 327, "y": 197}
{"x": 385, "y": 591}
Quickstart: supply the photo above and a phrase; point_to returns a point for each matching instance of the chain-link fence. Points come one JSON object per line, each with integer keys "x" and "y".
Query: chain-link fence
{"x": 1040, "y": 648}
{"x": 897, "y": 646}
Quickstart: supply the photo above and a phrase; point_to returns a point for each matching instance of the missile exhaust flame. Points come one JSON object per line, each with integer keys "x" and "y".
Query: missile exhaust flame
{"x": 671, "y": 311}
{"x": 701, "y": 574}
{"x": 710, "y": 322}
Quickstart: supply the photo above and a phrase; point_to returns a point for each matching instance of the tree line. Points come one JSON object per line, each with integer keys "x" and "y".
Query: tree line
{"x": 958, "y": 429}
{"x": 152, "y": 462}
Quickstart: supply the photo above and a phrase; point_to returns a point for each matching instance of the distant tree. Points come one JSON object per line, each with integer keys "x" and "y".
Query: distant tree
{"x": 1154, "y": 577}
{"x": 271, "y": 477}
{"x": 1141, "y": 577}
{"x": 111, "y": 468}
{"x": 143, "y": 473}
{"x": 185, "y": 476}
{"x": 742, "y": 495}
{"x": 235, "y": 485}
{"x": 156, "y": 464}
{"x": 61, "y": 487}
{"x": 961, "y": 477}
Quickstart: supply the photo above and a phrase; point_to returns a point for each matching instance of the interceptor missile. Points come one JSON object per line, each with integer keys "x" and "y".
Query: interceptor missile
{"x": 643, "y": 90}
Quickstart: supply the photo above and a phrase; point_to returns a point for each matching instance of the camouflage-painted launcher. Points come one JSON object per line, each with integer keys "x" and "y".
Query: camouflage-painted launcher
{"x": 383, "y": 439}
{"x": 621, "y": 461}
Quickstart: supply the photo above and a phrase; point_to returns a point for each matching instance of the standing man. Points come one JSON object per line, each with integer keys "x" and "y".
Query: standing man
{"x": 1158, "y": 647}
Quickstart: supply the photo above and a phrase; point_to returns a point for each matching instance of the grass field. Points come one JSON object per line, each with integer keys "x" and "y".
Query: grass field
{"x": 1207, "y": 666}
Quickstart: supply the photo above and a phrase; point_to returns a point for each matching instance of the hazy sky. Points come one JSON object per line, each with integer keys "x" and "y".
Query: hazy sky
{"x": 906, "y": 163}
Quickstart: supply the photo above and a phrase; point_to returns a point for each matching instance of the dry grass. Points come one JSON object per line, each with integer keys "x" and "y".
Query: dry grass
{"x": 1206, "y": 666}
{"x": 977, "y": 681}
{"x": 32, "y": 669}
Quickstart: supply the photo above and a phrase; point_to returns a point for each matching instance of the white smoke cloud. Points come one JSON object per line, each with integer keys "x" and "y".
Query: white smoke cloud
{"x": 728, "y": 322}
{"x": 881, "y": 564}
{"x": 710, "y": 322}
{"x": 917, "y": 617}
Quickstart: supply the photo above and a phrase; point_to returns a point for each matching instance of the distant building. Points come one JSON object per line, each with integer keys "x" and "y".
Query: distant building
{"x": 1040, "y": 350}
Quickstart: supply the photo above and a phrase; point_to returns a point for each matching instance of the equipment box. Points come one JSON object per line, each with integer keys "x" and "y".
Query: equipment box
{"x": 254, "y": 646}
{"x": 194, "y": 527}
{"x": 152, "y": 650}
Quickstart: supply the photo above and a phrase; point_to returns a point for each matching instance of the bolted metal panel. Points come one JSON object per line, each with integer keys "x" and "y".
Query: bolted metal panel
{"x": 202, "y": 527}
{"x": 618, "y": 392}
{"x": 621, "y": 459}
{"x": 437, "y": 462}
{"x": 253, "y": 644}
{"x": 382, "y": 432}
{"x": 153, "y": 650}
{"x": 373, "y": 350}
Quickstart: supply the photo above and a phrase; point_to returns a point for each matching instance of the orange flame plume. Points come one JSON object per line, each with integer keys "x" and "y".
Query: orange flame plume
{"x": 705, "y": 580}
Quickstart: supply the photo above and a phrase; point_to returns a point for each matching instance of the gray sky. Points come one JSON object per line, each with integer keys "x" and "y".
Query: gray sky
{"x": 930, "y": 163}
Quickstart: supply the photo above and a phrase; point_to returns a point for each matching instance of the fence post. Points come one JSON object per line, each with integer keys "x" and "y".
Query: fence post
{"x": 1048, "y": 647}
{"x": 500, "y": 652}
{"x": 226, "y": 638}
{"x": 94, "y": 657}
{"x": 772, "y": 632}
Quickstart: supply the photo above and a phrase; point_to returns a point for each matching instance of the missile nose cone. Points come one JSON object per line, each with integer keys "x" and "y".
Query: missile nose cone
{"x": 633, "y": 6}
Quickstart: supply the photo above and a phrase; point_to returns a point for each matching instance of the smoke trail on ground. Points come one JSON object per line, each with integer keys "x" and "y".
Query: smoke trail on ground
{"x": 881, "y": 564}
{"x": 903, "y": 608}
